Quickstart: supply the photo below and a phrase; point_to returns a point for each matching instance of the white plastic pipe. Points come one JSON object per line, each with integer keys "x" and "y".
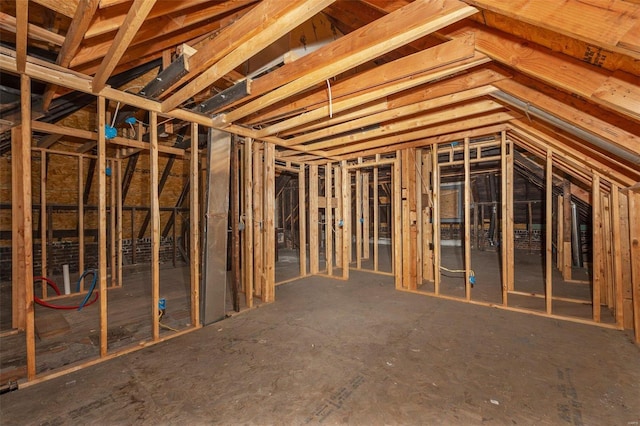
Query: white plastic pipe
{"x": 67, "y": 283}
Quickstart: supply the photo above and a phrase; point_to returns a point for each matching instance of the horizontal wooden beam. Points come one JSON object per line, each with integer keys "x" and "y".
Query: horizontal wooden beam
{"x": 54, "y": 129}
{"x": 420, "y": 137}
{"x": 423, "y": 120}
{"x": 50, "y": 73}
{"x": 393, "y": 114}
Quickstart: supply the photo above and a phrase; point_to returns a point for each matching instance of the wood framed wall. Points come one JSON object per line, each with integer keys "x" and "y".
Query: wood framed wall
{"x": 608, "y": 199}
{"x": 109, "y": 211}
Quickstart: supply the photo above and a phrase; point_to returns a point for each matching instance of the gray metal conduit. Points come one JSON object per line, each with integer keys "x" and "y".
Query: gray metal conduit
{"x": 629, "y": 156}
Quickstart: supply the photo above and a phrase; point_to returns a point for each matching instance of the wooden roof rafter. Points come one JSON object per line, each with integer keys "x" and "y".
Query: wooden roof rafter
{"x": 463, "y": 123}
{"x": 611, "y": 24}
{"x": 9, "y": 23}
{"x": 81, "y": 20}
{"x": 415, "y": 20}
{"x": 252, "y": 33}
{"x": 135, "y": 18}
{"x": 410, "y": 68}
{"x": 580, "y": 152}
{"x": 157, "y": 27}
{"x": 605, "y": 88}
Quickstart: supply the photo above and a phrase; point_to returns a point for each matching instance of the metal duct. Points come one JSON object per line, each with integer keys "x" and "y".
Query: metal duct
{"x": 570, "y": 128}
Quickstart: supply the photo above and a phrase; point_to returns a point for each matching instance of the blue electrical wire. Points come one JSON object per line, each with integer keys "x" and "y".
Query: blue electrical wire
{"x": 91, "y": 288}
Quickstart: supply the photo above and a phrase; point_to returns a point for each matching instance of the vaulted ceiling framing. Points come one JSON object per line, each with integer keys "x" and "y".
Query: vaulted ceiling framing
{"x": 379, "y": 76}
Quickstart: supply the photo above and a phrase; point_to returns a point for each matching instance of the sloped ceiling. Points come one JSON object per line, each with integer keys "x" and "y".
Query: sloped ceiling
{"x": 325, "y": 79}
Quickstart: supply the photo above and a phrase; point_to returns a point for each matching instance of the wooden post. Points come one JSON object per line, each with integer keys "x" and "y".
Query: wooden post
{"x": 248, "y": 222}
{"x": 634, "y": 235}
{"x": 118, "y": 178}
{"x": 616, "y": 238}
{"x": 530, "y": 223}
{"x": 346, "y": 219}
{"x": 235, "y": 222}
{"x": 258, "y": 251}
{"x": 43, "y": 220}
{"x": 102, "y": 224}
{"x": 366, "y": 223}
{"x": 269, "y": 215}
{"x": 606, "y": 293}
{"x": 328, "y": 219}
{"x": 419, "y": 187}
{"x": 548, "y": 232}
{"x": 596, "y": 246}
{"x": 509, "y": 239}
{"x": 397, "y": 222}
{"x": 427, "y": 226}
{"x": 358, "y": 222}
{"x": 337, "y": 173}
{"x": 560, "y": 233}
{"x": 22, "y": 228}
{"x": 314, "y": 241}
{"x": 407, "y": 255}
{"x": 25, "y": 231}
{"x": 567, "y": 262}
{"x": 467, "y": 221}
{"x": 112, "y": 225}
{"x": 194, "y": 227}
{"x": 435, "y": 170}
{"x": 409, "y": 219}
{"x": 134, "y": 239}
{"x": 376, "y": 218}
{"x": 506, "y": 285}
{"x": 81, "y": 219}
{"x": 302, "y": 221}
{"x": 155, "y": 224}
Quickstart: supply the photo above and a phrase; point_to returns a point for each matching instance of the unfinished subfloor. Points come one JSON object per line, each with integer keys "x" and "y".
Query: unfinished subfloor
{"x": 355, "y": 352}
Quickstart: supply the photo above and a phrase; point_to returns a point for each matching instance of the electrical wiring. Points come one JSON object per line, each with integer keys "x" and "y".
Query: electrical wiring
{"x": 472, "y": 275}
{"x": 56, "y": 289}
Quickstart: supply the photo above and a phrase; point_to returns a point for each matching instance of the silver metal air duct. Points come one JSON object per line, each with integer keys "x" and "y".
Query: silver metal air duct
{"x": 630, "y": 156}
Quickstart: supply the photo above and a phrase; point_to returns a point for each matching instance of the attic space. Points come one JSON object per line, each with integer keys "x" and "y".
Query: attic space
{"x": 169, "y": 165}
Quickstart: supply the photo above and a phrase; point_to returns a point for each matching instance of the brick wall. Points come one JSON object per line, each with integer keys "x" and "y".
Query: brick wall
{"x": 60, "y": 253}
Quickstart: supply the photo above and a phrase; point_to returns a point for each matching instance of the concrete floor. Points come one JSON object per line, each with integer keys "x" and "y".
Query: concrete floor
{"x": 355, "y": 352}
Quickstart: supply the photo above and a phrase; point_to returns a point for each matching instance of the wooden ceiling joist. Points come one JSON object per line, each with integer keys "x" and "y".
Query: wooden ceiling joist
{"x": 389, "y": 142}
{"x": 434, "y": 140}
{"x": 394, "y": 114}
{"x": 154, "y": 28}
{"x": 111, "y": 18}
{"x": 9, "y": 23}
{"x": 66, "y": 7}
{"x": 241, "y": 40}
{"x": 79, "y": 24}
{"x": 353, "y": 102}
{"x": 386, "y": 75}
{"x": 453, "y": 113}
{"x": 415, "y": 20}
{"x": 135, "y": 18}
